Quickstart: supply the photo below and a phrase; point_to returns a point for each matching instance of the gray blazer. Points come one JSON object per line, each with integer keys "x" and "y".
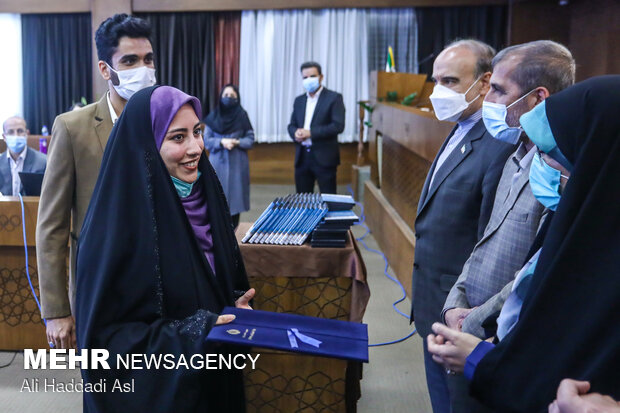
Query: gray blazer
{"x": 452, "y": 216}
{"x": 34, "y": 161}
{"x": 501, "y": 251}
{"x": 232, "y": 167}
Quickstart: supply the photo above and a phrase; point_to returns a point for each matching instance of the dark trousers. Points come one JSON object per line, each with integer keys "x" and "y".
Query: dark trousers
{"x": 436, "y": 381}
{"x": 460, "y": 399}
{"x": 308, "y": 170}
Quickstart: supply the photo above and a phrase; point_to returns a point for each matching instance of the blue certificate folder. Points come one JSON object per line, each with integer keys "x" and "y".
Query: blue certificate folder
{"x": 295, "y": 333}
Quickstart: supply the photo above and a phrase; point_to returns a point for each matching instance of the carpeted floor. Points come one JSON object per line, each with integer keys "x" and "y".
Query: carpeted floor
{"x": 393, "y": 380}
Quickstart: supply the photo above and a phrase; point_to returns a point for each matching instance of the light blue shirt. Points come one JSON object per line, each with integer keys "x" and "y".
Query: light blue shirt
{"x": 509, "y": 316}
{"x": 462, "y": 129}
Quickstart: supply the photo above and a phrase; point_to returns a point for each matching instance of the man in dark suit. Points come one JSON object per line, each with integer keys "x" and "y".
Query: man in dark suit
{"x": 317, "y": 119}
{"x": 457, "y": 197}
{"x": 18, "y": 157}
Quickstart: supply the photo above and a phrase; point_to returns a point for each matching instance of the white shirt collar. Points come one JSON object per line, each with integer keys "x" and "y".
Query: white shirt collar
{"x": 113, "y": 114}
{"x": 316, "y": 95}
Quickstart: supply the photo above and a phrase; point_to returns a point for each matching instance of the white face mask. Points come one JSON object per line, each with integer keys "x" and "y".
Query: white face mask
{"x": 448, "y": 104}
{"x": 133, "y": 80}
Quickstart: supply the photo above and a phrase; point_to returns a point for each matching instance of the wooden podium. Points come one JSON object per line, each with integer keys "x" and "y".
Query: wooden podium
{"x": 21, "y": 325}
{"x": 403, "y": 142}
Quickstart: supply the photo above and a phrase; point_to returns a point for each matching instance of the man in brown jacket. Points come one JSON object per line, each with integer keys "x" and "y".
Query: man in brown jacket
{"x": 76, "y": 149}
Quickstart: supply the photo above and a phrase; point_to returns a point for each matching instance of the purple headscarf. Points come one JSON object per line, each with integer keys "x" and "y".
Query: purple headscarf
{"x": 165, "y": 103}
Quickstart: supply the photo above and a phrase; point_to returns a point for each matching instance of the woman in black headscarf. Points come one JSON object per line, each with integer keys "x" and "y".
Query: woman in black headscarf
{"x": 568, "y": 325}
{"x": 228, "y": 136}
{"x": 157, "y": 261}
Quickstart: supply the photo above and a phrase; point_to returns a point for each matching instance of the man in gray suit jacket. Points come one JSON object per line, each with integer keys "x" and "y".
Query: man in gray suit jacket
{"x": 486, "y": 279}
{"x": 18, "y": 157}
{"x": 457, "y": 197}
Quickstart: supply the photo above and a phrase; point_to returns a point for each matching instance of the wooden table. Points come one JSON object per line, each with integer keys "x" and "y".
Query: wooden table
{"x": 20, "y": 320}
{"x": 319, "y": 282}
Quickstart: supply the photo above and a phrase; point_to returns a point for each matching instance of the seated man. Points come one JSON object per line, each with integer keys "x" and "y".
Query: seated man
{"x": 18, "y": 157}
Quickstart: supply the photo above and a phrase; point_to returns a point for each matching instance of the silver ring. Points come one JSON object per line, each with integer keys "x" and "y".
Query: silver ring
{"x": 51, "y": 343}
{"x": 450, "y": 372}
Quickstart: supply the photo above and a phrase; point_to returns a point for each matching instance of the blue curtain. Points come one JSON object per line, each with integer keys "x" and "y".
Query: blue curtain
{"x": 57, "y": 65}
{"x": 438, "y": 26}
{"x": 396, "y": 28}
{"x": 184, "y": 46}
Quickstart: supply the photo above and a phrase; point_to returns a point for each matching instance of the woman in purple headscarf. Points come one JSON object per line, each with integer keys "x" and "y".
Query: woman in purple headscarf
{"x": 157, "y": 262}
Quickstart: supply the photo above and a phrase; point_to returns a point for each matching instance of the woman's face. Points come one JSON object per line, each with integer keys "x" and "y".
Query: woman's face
{"x": 229, "y": 92}
{"x": 183, "y": 145}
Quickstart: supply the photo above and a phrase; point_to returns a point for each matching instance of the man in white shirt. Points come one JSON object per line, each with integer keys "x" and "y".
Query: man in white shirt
{"x": 317, "y": 119}
{"x": 18, "y": 157}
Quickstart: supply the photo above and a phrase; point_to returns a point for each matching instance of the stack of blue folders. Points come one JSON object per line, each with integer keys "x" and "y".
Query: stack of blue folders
{"x": 288, "y": 220}
{"x": 332, "y": 231}
{"x": 295, "y": 333}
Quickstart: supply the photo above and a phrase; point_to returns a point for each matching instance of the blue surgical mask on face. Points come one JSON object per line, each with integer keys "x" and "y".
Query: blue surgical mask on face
{"x": 494, "y": 117}
{"x": 311, "y": 84}
{"x": 536, "y": 124}
{"x": 183, "y": 188}
{"x": 545, "y": 183}
{"x": 15, "y": 143}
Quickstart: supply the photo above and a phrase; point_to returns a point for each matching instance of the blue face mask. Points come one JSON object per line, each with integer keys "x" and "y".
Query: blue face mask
{"x": 311, "y": 84}
{"x": 536, "y": 125}
{"x": 545, "y": 183}
{"x": 494, "y": 117}
{"x": 229, "y": 102}
{"x": 183, "y": 188}
{"x": 15, "y": 143}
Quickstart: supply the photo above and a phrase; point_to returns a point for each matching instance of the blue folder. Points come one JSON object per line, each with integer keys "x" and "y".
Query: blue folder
{"x": 295, "y": 333}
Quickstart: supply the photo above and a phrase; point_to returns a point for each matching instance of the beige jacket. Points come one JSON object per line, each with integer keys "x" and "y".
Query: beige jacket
{"x": 73, "y": 162}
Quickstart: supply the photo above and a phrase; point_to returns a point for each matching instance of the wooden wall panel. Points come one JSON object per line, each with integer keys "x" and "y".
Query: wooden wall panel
{"x": 274, "y": 163}
{"x": 535, "y": 20}
{"x": 416, "y": 130}
{"x": 40, "y": 6}
{"x": 204, "y": 5}
{"x": 403, "y": 176}
{"x": 595, "y": 37}
{"x": 589, "y": 28}
{"x": 394, "y": 236}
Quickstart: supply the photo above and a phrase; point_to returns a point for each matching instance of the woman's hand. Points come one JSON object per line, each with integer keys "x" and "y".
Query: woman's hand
{"x": 225, "y": 319}
{"x": 450, "y": 348}
{"x": 244, "y": 300}
{"x": 228, "y": 143}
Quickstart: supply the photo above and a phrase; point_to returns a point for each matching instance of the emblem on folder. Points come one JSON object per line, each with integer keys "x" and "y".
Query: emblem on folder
{"x": 463, "y": 149}
{"x": 233, "y": 331}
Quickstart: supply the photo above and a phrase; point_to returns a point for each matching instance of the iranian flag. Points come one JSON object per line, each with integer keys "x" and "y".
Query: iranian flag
{"x": 389, "y": 64}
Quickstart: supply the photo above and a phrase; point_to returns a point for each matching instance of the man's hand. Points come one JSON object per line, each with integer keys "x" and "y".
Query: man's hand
{"x": 244, "y": 300}
{"x": 61, "y": 332}
{"x": 572, "y": 397}
{"x": 302, "y": 134}
{"x": 450, "y": 348}
{"x": 455, "y": 316}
